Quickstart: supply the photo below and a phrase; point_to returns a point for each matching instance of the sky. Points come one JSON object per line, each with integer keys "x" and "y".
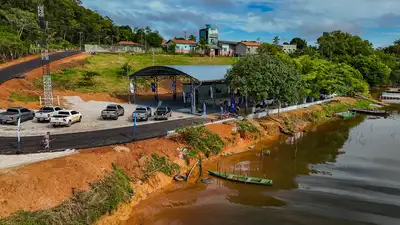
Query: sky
{"x": 375, "y": 20}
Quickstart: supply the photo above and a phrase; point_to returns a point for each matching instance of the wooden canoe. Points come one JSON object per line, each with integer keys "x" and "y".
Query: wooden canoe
{"x": 241, "y": 178}
{"x": 345, "y": 115}
{"x": 369, "y": 111}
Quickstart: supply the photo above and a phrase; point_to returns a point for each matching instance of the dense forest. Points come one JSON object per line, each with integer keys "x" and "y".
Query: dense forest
{"x": 342, "y": 63}
{"x": 68, "y": 21}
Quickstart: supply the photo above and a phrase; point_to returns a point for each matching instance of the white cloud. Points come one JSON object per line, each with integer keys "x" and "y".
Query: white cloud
{"x": 304, "y": 17}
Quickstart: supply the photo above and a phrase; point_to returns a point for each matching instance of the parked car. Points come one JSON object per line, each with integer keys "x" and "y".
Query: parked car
{"x": 112, "y": 112}
{"x": 12, "y": 115}
{"x": 45, "y": 113}
{"x": 162, "y": 113}
{"x": 65, "y": 118}
{"x": 142, "y": 113}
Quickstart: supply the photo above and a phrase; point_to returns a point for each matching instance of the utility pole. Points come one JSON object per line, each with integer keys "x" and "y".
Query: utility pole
{"x": 185, "y": 34}
{"x": 47, "y": 87}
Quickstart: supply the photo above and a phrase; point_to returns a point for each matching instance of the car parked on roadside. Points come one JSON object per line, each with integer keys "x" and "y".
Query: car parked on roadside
{"x": 65, "y": 118}
{"x": 112, "y": 111}
{"x": 142, "y": 113}
{"x": 162, "y": 113}
{"x": 12, "y": 115}
{"x": 45, "y": 113}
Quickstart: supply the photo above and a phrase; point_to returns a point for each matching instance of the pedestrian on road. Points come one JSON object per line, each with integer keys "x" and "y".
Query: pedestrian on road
{"x": 46, "y": 141}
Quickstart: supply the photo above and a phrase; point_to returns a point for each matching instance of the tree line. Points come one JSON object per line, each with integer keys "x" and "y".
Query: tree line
{"x": 69, "y": 23}
{"x": 341, "y": 63}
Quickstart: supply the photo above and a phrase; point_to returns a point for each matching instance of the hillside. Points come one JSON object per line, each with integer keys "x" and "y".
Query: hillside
{"x": 105, "y": 81}
{"x": 68, "y": 22}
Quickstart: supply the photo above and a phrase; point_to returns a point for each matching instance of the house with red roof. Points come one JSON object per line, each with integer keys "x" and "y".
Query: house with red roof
{"x": 247, "y": 48}
{"x": 183, "y": 46}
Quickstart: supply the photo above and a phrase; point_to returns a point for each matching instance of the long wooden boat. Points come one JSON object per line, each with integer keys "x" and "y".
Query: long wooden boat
{"x": 241, "y": 178}
{"x": 369, "y": 111}
{"x": 345, "y": 115}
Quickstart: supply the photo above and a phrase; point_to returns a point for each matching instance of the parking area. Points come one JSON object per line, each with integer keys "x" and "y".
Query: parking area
{"x": 91, "y": 112}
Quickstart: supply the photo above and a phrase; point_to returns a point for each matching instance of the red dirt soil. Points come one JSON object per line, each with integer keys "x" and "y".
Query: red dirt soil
{"x": 48, "y": 183}
{"x": 26, "y": 86}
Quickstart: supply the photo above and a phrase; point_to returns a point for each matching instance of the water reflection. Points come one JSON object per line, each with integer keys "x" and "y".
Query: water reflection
{"x": 343, "y": 172}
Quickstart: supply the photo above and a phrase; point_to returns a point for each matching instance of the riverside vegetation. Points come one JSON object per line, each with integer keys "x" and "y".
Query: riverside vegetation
{"x": 86, "y": 207}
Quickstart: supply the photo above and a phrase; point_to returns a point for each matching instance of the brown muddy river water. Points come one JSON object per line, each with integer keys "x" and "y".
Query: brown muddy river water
{"x": 342, "y": 172}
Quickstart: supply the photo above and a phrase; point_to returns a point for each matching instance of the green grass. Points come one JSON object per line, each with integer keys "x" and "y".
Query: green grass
{"x": 22, "y": 97}
{"x": 84, "y": 207}
{"x": 247, "y": 127}
{"x": 161, "y": 164}
{"x": 201, "y": 140}
{"x": 112, "y": 80}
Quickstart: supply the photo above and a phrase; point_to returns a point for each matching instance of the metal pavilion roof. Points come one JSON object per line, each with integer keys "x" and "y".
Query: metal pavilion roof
{"x": 203, "y": 73}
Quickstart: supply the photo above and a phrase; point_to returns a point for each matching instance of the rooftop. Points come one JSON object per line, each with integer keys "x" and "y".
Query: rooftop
{"x": 187, "y": 42}
{"x": 127, "y": 43}
{"x": 203, "y": 73}
{"x": 228, "y": 42}
{"x": 248, "y": 43}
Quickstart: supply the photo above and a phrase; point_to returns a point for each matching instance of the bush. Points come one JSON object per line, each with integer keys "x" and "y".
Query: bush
{"x": 87, "y": 78}
{"x": 161, "y": 164}
{"x": 125, "y": 69}
{"x": 201, "y": 140}
{"x": 84, "y": 207}
{"x": 247, "y": 127}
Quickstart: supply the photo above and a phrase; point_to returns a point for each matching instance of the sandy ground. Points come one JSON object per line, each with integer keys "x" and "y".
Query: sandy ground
{"x": 92, "y": 120}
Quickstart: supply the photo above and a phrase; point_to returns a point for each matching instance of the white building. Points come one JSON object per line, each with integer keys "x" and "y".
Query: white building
{"x": 247, "y": 48}
{"x": 289, "y": 48}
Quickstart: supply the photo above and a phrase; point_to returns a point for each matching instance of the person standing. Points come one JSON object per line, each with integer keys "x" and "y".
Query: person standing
{"x": 46, "y": 141}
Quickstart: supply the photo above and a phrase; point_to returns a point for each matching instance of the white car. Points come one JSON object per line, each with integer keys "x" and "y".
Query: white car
{"x": 65, "y": 118}
{"x": 45, "y": 113}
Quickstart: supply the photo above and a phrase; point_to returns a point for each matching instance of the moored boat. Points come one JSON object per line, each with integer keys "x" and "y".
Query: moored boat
{"x": 241, "y": 178}
{"x": 370, "y": 111}
{"x": 345, "y": 115}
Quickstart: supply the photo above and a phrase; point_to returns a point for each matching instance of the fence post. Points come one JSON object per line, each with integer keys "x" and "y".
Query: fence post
{"x": 40, "y": 99}
{"x": 58, "y": 99}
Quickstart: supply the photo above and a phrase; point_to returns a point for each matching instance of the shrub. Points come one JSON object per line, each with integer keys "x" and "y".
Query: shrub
{"x": 162, "y": 164}
{"x": 201, "y": 140}
{"x": 85, "y": 207}
{"x": 247, "y": 127}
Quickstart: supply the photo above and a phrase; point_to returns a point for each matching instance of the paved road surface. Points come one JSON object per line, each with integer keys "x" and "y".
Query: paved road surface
{"x": 95, "y": 138}
{"x": 11, "y": 72}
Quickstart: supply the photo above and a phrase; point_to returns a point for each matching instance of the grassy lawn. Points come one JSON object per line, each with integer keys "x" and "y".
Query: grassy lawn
{"x": 110, "y": 79}
{"x": 23, "y": 97}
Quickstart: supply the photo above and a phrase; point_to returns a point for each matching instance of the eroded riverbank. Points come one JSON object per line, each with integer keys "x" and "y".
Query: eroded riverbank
{"x": 133, "y": 160}
{"x": 340, "y": 172}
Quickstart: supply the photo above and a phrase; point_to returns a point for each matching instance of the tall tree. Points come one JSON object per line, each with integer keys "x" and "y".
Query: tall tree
{"x": 266, "y": 76}
{"x": 276, "y": 40}
{"x": 269, "y": 49}
{"x": 192, "y": 37}
{"x": 341, "y": 46}
{"x": 301, "y": 43}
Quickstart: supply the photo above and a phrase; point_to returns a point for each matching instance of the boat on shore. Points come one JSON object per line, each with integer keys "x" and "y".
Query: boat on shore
{"x": 370, "y": 111}
{"x": 241, "y": 178}
{"x": 345, "y": 115}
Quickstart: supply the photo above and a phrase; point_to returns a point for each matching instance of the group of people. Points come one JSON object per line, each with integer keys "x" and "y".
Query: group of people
{"x": 226, "y": 107}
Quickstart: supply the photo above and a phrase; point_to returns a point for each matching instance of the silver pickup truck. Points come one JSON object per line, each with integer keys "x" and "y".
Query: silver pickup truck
{"x": 45, "y": 113}
{"x": 112, "y": 112}
{"x": 12, "y": 115}
{"x": 142, "y": 113}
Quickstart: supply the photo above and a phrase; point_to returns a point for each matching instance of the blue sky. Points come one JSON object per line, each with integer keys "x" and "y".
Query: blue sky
{"x": 375, "y": 20}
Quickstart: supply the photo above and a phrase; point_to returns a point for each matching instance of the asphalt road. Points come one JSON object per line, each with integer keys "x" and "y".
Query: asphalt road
{"x": 94, "y": 138}
{"x": 11, "y": 72}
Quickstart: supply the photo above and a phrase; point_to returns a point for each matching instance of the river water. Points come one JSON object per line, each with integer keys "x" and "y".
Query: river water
{"x": 342, "y": 172}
